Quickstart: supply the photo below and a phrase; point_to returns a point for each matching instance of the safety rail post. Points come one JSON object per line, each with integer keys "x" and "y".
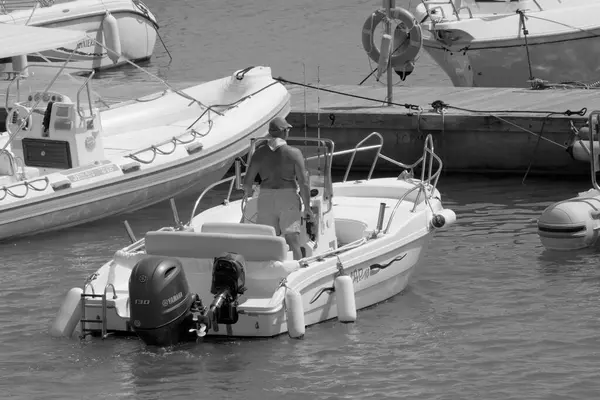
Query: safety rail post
{"x": 455, "y": 10}
{"x": 356, "y": 149}
{"x": 85, "y": 84}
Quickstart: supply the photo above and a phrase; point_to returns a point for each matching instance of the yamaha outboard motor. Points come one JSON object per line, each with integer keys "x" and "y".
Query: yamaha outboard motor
{"x": 228, "y": 280}
{"x": 160, "y": 301}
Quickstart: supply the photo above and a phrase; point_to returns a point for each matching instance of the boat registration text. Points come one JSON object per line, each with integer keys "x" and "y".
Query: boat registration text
{"x": 92, "y": 173}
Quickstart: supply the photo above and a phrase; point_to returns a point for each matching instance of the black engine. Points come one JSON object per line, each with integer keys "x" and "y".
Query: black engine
{"x": 228, "y": 280}
{"x": 160, "y": 300}
{"x": 163, "y": 312}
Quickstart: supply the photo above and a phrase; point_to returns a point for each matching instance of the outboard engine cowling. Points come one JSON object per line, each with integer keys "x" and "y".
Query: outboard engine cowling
{"x": 228, "y": 280}
{"x": 160, "y": 301}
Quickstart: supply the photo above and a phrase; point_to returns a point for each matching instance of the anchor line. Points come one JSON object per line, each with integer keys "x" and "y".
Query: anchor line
{"x": 537, "y": 143}
{"x": 405, "y": 105}
{"x": 437, "y": 105}
{"x": 522, "y": 18}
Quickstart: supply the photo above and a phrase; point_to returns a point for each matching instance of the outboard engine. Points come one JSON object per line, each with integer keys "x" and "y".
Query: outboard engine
{"x": 161, "y": 305}
{"x": 228, "y": 280}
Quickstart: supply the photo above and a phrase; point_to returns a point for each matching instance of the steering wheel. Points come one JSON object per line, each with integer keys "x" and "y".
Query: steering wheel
{"x": 20, "y": 123}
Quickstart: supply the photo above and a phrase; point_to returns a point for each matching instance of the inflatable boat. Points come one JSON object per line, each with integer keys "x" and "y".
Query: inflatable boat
{"x": 575, "y": 223}
{"x": 64, "y": 161}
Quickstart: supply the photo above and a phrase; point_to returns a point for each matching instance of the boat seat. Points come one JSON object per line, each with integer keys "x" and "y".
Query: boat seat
{"x": 367, "y": 189}
{"x": 237, "y": 228}
{"x": 210, "y": 245}
{"x": 258, "y": 304}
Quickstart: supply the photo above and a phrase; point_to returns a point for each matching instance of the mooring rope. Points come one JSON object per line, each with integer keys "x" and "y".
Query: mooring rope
{"x": 439, "y": 106}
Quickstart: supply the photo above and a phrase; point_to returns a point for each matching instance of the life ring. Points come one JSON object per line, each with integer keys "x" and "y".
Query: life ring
{"x": 408, "y": 33}
{"x": 17, "y": 123}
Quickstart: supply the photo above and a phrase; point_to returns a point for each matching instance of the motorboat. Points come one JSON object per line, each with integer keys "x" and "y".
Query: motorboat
{"x": 66, "y": 160}
{"x": 223, "y": 275}
{"x": 574, "y": 223}
{"x": 512, "y": 43}
{"x": 127, "y": 29}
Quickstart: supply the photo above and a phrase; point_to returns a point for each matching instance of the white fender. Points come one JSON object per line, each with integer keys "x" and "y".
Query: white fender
{"x": 294, "y": 313}
{"x": 346, "y": 302}
{"x": 68, "y": 315}
{"x": 384, "y": 57}
{"x": 112, "y": 40}
{"x": 19, "y": 63}
{"x": 443, "y": 218}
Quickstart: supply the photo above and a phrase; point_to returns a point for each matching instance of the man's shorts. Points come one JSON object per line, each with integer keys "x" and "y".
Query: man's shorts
{"x": 281, "y": 209}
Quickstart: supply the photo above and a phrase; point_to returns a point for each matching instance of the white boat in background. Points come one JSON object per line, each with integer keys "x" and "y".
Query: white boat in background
{"x": 574, "y": 223}
{"x": 64, "y": 161}
{"x": 491, "y": 43}
{"x": 126, "y": 28}
{"x": 222, "y": 274}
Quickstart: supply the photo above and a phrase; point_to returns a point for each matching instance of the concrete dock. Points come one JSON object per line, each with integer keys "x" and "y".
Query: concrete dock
{"x": 475, "y": 130}
{"x": 491, "y": 130}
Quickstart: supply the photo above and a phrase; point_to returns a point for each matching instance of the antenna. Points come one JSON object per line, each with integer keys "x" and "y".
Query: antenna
{"x": 319, "y": 117}
{"x": 305, "y": 124}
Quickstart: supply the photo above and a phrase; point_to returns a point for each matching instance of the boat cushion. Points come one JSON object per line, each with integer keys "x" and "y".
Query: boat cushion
{"x": 236, "y": 227}
{"x": 210, "y": 245}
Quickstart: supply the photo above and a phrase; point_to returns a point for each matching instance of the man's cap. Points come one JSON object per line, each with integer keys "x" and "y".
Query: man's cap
{"x": 278, "y": 124}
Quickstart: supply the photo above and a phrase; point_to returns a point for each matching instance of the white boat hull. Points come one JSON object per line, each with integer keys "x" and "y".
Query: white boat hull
{"x": 486, "y": 46}
{"x": 219, "y": 276}
{"x": 153, "y": 134}
{"x": 556, "y": 60}
{"x": 128, "y": 195}
{"x": 137, "y": 31}
{"x": 571, "y": 224}
{"x": 398, "y": 254}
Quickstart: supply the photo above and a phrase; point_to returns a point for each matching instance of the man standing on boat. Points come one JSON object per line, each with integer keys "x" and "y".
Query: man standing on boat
{"x": 282, "y": 170}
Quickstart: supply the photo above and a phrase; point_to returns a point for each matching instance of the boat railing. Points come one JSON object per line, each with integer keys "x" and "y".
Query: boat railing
{"x": 23, "y": 75}
{"x": 232, "y": 184}
{"x": 86, "y": 85}
{"x": 429, "y": 177}
{"x": 594, "y": 124}
{"x": 439, "y": 5}
{"x": 427, "y": 173}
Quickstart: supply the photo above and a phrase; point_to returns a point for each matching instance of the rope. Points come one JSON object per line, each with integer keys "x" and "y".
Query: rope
{"x": 537, "y": 143}
{"x": 522, "y": 18}
{"x": 406, "y": 105}
{"x": 439, "y": 104}
{"x": 389, "y": 63}
{"x": 190, "y": 130}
